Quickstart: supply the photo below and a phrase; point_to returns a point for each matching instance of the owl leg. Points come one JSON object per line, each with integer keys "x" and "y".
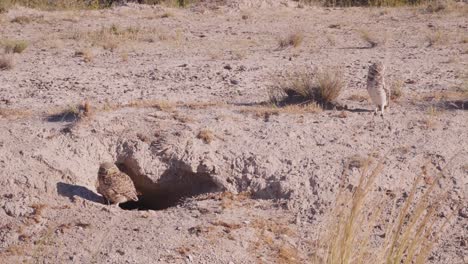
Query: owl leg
{"x": 376, "y": 110}
{"x": 382, "y": 110}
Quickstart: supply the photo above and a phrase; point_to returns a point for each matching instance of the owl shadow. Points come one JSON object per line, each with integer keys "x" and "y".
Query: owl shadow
{"x": 71, "y": 190}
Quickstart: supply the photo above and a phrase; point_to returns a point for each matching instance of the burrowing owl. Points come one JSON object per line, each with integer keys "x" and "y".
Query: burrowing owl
{"x": 114, "y": 185}
{"x": 378, "y": 91}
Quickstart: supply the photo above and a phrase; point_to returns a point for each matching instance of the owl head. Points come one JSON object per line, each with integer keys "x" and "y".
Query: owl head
{"x": 377, "y": 67}
{"x": 108, "y": 167}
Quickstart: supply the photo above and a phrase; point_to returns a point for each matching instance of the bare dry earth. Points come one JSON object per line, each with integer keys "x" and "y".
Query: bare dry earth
{"x": 182, "y": 71}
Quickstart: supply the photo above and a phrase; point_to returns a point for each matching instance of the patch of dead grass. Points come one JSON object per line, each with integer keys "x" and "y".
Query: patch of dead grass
{"x": 21, "y": 20}
{"x": 110, "y": 38}
{"x": 358, "y": 97}
{"x": 266, "y": 111}
{"x": 158, "y": 104}
{"x": 292, "y": 40}
{"x": 396, "y": 90}
{"x": 14, "y": 113}
{"x": 6, "y": 62}
{"x": 14, "y": 46}
{"x": 369, "y": 37}
{"x": 271, "y": 236}
{"x": 74, "y": 113}
{"x": 437, "y": 37}
{"x": 206, "y": 135}
{"x": 87, "y": 54}
{"x": 302, "y": 87}
{"x": 408, "y": 239}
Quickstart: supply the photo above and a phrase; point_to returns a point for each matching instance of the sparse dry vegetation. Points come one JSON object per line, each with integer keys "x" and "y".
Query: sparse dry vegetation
{"x": 321, "y": 88}
{"x": 21, "y": 20}
{"x": 369, "y": 38}
{"x": 294, "y": 39}
{"x": 358, "y": 97}
{"x": 408, "y": 238}
{"x": 14, "y": 113}
{"x": 434, "y": 38}
{"x": 396, "y": 90}
{"x": 6, "y": 62}
{"x": 14, "y": 46}
{"x": 72, "y": 113}
{"x": 206, "y": 135}
{"x": 110, "y": 38}
{"x": 266, "y": 111}
{"x": 86, "y": 54}
{"x": 286, "y": 163}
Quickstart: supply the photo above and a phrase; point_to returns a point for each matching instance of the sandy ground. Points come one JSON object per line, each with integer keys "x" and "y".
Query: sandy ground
{"x": 166, "y": 75}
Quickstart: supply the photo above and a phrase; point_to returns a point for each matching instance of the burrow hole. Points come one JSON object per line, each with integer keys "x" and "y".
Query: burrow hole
{"x": 173, "y": 187}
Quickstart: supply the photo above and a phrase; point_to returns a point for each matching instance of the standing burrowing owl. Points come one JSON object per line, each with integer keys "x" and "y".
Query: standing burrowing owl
{"x": 114, "y": 185}
{"x": 376, "y": 87}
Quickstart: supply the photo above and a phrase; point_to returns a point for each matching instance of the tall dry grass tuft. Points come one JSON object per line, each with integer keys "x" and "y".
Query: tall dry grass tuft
{"x": 372, "y": 3}
{"x": 409, "y": 238}
{"x": 303, "y": 87}
{"x": 14, "y": 46}
{"x": 293, "y": 39}
{"x": 6, "y": 62}
{"x": 369, "y": 37}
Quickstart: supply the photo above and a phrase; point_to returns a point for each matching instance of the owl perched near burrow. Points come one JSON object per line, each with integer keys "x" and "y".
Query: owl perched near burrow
{"x": 378, "y": 91}
{"x": 116, "y": 186}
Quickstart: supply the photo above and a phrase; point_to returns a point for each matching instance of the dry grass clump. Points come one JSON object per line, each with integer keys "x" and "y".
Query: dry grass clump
{"x": 408, "y": 237}
{"x": 321, "y": 88}
{"x": 272, "y": 239}
{"x": 266, "y": 111}
{"x": 371, "y": 3}
{"x": 72, "y": 113}
{"x": 21, "y": 20}
{"x": 14, "y": 113}
{"x": 110, "y": 38}
{"x": 294, "y": 39}
{"x": 206, "y": 135}
{"x": 396, "y": 90}
{"x": 167, "y": 14}
{"x": 369, "y": 37}
{"x": 437, "y": 6}
{"x": 358, "y": 97}
{"x": 56, "y": 4}
{"x": 434, "y": 38}
{"x": 86, "y": 54}
{"x": 14, "y": 46}
{"x": 6, "y": 62}
{"x": 158, "y": 104}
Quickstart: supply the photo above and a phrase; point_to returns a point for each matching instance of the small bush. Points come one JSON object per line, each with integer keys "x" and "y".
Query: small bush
{"x": 322, "y": 88}
{"x": 86, "y": 54}
{"x": 434, "y": 38}
{"x": 348, "y": 3}
{"x": 21, "y": 20}
{"x": 15, "y": 46}
{"x": 206, "y": 135}
{"x": 6, "y": 62}
{"x": 330, "y": 83}
{"x": 369, "y": 38}
{"x": 396, "y": 90}
{"x": 293, "y": 39}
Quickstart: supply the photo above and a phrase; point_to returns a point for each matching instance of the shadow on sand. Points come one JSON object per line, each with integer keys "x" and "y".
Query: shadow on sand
{"x": 70, "y": 190}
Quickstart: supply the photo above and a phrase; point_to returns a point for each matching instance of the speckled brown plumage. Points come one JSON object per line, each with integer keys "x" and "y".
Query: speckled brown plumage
{"x": 116, "y": 186}
{"x": 378, "y": 92}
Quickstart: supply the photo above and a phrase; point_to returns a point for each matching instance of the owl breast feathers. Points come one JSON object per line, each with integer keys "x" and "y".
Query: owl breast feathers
{"x": 378, "y": 92}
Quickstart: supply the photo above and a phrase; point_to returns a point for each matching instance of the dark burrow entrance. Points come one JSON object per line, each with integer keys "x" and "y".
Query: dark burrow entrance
{"x": 174, "y": 186}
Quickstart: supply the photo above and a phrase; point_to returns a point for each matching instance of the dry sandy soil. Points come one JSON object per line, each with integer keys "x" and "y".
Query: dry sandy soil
{"x": 177, "y": 100}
